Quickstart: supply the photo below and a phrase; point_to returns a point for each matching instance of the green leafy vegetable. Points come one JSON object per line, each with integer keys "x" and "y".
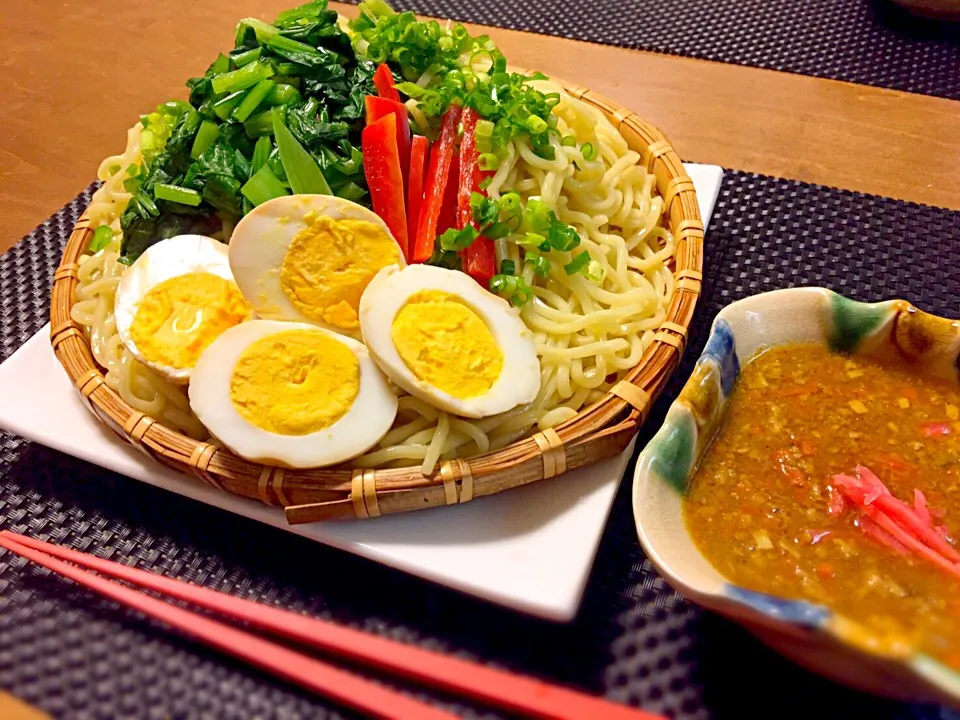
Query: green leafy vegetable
{"x": 263, "y": 186}
{"x": 301, "y": 169}
{"x": 261, "y": 153}
{"x": 206, "y": 135}
{"x": 252, "y": 100}
{"x": 177, "y": 194}
{"x": 208, "y": 161}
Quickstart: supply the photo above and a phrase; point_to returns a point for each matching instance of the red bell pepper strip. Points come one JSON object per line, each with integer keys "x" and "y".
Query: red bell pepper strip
{"x": 418, "y": 171}
{"x": 438, "y": 175}
{"x": 383, "y": 82}
{"x": 378, "y": 107}
{"x": 448, "y": 211}
{"x": 381, "y": 165}
{"x": 479, "y": 259}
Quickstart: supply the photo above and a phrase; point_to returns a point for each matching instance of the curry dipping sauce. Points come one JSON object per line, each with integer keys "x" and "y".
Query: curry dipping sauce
{"x": 836, "y": 479}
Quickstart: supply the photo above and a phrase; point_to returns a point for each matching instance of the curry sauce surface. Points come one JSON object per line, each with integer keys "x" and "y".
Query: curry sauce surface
{"x": 757, "y": 507}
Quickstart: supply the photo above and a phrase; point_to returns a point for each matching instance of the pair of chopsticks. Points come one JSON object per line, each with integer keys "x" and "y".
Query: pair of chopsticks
{"x": 517, "y": 694}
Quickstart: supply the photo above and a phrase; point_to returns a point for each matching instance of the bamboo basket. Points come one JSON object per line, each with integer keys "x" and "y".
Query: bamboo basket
{"x": 599, "y": 431}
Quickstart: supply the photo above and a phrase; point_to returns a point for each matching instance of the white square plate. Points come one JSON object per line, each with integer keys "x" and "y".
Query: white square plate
{"x": 530, "y": 549}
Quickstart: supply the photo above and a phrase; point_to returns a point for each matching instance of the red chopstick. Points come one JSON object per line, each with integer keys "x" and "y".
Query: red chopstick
{"x": 516, "y": 693}
{"x": 344, "y": 687}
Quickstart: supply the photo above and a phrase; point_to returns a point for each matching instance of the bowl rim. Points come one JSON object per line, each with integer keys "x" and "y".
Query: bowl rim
{"x": 751, "y": 608}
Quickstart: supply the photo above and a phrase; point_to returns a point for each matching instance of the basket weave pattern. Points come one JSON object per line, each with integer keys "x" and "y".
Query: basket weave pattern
{"x": 600, "y": 431}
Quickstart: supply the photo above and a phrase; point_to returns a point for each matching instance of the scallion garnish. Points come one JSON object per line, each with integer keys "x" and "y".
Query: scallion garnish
{"x": 578, "y": 263}
{"x": 589, "y": 152}
{"x": 513, "y": 288}
{"x": 102, "y": 237}
{"x": 540, "y": 265}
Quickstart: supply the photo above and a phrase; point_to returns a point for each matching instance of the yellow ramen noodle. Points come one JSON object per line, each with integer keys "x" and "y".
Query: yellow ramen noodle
{"x": 328, "y": 265}
{"x": 178, "y": 318}
{"x": 295, "y": 383}
{"x": 446, "y": 344}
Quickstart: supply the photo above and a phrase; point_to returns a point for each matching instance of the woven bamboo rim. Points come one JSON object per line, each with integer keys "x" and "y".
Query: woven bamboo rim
{"x": 599, "y": 431}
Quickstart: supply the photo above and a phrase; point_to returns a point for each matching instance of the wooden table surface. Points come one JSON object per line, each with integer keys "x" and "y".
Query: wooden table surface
{"x": 78, "y": 74}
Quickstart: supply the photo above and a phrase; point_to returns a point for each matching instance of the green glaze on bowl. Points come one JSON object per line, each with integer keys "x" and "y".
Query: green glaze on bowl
{"x": 809, "y": 633}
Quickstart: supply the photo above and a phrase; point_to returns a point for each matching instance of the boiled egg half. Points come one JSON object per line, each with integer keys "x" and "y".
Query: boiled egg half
{"x": 291, "y": 394}
{"x": 175, "y": 300}
{"x": 441, "y": 337}
{"x": 308, "y": 258}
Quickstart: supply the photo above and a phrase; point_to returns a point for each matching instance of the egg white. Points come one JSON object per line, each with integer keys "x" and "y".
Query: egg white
{"x": 166, "y": 259}
{"x": 368, "y": 419}
{"x": 388, "y": 292}
{"x": 260, "y": 241}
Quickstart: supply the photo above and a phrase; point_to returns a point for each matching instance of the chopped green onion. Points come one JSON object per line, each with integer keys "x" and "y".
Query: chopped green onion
{"x": 301, "y": 169}
{"x": 263, "y": 186}
{"x": 485, "y": 183}
{"x": 561, "y": 236}
{"x": 541, "y": 266}
{"x": 484, "y": 127}
{"x": 261, "y": 152}
{"x": 206, "y": 136}
{"x": 246, "y": 57}
{"x": 488, "y": 161}
{"x": 455, "y": 240}
{"x": 247, "y": 76}
{"x": 252, "y": 100}
{"x": 536, "y": 124}
{"x": 568, "y": 141}
{"x": 102, "y": 237}
{"x": 177, "y": 194}
{"x": 510, "y": 203}
{"x": 225, "y": 105}
{"x": 536, "y": 217}
{"x": 594, "y": 271}
{"x": 589, "y": 152}
{"x": 513, "y": 288}
{"x": 532, "y": 241}
{"x": 508, "y": 267}
{"x": 577, "y": 264}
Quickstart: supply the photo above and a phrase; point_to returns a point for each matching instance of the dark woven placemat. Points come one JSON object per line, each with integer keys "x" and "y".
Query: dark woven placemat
{"x": 634, "y": 639}
{"x": 863, "y": 41}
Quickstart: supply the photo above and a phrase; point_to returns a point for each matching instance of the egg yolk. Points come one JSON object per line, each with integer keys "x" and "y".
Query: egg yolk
{"x": 446, "y": 344}
{"x": 329, "y": 264}
{"x": 295, "y": 382}
{"x": 178, "y": 318}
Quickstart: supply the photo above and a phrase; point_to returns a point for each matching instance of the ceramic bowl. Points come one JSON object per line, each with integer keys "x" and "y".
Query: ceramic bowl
{"x": 808, "y": 633}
